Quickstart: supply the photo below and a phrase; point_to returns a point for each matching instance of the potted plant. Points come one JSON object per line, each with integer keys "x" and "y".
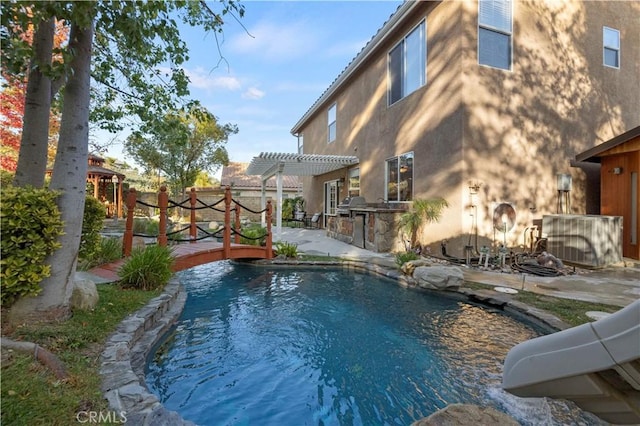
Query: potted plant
{"x": 299, "y": 208}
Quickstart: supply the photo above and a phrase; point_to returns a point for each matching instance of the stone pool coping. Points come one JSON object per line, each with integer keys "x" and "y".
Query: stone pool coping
{"x": 124, "y": 357}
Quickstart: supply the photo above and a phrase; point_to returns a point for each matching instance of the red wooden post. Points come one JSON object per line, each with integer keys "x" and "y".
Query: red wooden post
{"x": 127, "y": 239}
{"x": 193, "y": 231}
{"x": 269, "y": 235}
{"x": 236, "y": 238}
{"x": 226, "y": 240}
{"x": 163, "y": 203}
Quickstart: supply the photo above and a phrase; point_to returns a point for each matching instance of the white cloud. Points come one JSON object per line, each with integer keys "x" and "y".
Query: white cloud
{"x": 200, "y": 79}
{"x": 277, "y": 41}
{"x": 253, "y": 93}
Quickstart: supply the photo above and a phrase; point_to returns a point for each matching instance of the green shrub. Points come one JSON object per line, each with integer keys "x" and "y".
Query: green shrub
{"x": 288, "y": 206}
{"x": 254, "y": 235}
{"x": 146, "y": 226}
{"x": 152, "y": 227}
{"x": 288, "y": 250}
{"x": 6, "y": 178}
{"x": 92, "y": 224}
{"x": 147, "y": 268}
{"x": 31, "y": 224}
{"x": 140, "y": 225}
{"x": 406, "y": 256}
{"x": 110, "y": 250}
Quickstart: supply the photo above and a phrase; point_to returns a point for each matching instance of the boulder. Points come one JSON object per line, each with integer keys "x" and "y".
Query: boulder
{"x": 138, "y": 242}
{"x": 438, "y": 277}
{"x": 466, "y": 415}
{"x": 85, "y": 295}
{"x": 214, "y": 225}
{"x": 409, "y": 267}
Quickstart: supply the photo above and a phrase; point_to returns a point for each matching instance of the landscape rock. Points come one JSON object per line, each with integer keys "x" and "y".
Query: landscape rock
{"x": 438, "y": 277}
{"x": 409, "y": 267}
{"x": 138, "y": 242}
{"x": 85, "y": 295}
{"x": 466, "y": 415}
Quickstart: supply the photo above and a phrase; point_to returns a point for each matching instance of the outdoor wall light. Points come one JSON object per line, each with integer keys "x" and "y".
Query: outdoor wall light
{"x": 474, "y": 187}
{"x": 617, "y": 170}
{"x": 564, "y": 182}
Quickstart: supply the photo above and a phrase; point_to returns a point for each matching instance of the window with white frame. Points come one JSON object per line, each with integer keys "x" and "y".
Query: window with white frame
{"x": 611, "y": 47}
{"x": 407, "y": 64}
{"x": 354, "y": 182}
{"x": 300, "y": 143}
{"x": 331, "y": 122}
{"x": 494, "y": 33}
{"x": 399, "y": 178}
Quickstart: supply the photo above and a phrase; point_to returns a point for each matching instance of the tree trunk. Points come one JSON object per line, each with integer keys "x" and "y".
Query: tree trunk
{"x": 69, "y": 177}
{"x": 32, "y": 158}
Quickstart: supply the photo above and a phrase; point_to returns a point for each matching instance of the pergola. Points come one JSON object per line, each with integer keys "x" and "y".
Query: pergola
{"x": 101, "y": 177}
{"x": 269, "y": 164}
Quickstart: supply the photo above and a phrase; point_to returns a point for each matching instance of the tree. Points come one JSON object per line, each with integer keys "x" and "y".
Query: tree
{"x": 12, "y": 109}
{"x": 182, "y": 146}
{"x": 135, "y": 38}
{"x": 423, "y": 211}
{"x": 69, "y": 176}
{"x": 204, "y": 179}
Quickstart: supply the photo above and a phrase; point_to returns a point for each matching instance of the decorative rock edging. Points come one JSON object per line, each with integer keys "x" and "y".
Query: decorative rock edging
{"x": 124, "y": 357}
{"x": 126, "y": 350}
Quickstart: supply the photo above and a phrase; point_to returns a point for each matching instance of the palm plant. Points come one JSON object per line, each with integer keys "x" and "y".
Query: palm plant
{"x": 423, "y": 211}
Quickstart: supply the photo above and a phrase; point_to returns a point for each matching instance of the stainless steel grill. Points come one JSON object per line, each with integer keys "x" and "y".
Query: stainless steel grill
{"x": 350, "y": 203}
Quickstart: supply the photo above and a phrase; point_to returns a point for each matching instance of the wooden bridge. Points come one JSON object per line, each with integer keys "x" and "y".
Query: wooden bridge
{"x": 201, "y": 246}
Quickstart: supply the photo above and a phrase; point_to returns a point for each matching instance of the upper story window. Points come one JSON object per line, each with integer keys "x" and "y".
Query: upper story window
{"x": 611, "y": 47}
{"x": 331, "y": 123}
{"x": 300, "y": 143}
{"x": 407, "y": 64}
{"x": 494, "y": 33}
{"x": 399, "y": 178}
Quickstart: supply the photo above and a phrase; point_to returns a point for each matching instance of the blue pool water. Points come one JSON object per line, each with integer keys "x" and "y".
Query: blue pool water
{"x": 259, "y": 346}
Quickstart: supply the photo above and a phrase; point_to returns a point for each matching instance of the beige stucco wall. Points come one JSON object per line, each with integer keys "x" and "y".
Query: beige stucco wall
{"x": 511, "y": 131}
{"x": 525, "y": 126}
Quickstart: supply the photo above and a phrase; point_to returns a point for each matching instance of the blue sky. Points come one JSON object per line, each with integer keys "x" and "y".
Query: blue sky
{"x": 276, "y": 67}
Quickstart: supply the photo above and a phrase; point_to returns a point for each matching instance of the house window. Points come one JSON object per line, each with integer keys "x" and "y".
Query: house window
{"x": 354, "y": 182}
{"x": 611, "y": 47}
{"x": 330, "y": 197}
{"x": 494, "y": 33}
{"x": 300, "y": 143}
{"x": 407, "y": 64}
{"x": 332, "y": 123}
{"x": 399, "y": 178}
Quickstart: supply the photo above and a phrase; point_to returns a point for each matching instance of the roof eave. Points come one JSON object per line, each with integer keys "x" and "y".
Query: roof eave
{"x": 385, "y": 32}
{"x": 592, "y": 155}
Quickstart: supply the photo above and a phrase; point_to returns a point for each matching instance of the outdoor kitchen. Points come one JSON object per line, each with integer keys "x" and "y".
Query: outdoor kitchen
{"x": 372, "y": 226}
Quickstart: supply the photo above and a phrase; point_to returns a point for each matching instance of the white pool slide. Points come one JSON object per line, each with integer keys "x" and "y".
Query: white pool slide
{"x": 596, "y": 365}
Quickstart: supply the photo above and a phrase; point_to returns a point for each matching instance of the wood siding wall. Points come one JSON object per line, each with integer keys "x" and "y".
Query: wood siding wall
{"x": 616, "y": 196}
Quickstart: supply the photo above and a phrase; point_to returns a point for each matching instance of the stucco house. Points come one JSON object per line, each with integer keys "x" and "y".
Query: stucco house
{"x": 235, "y": 175}
{"x": 249, "y": 190}
{"x": 484, "y": 103}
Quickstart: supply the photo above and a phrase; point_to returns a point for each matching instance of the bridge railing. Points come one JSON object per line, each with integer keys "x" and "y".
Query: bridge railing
{"x": 192, "y": 204}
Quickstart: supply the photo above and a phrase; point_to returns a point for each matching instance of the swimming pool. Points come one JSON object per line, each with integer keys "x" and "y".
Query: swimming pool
{"x": 331, "y": 347}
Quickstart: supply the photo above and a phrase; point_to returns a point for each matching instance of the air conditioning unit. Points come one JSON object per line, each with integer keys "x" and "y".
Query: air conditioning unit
{"x": 589, "y": 240}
